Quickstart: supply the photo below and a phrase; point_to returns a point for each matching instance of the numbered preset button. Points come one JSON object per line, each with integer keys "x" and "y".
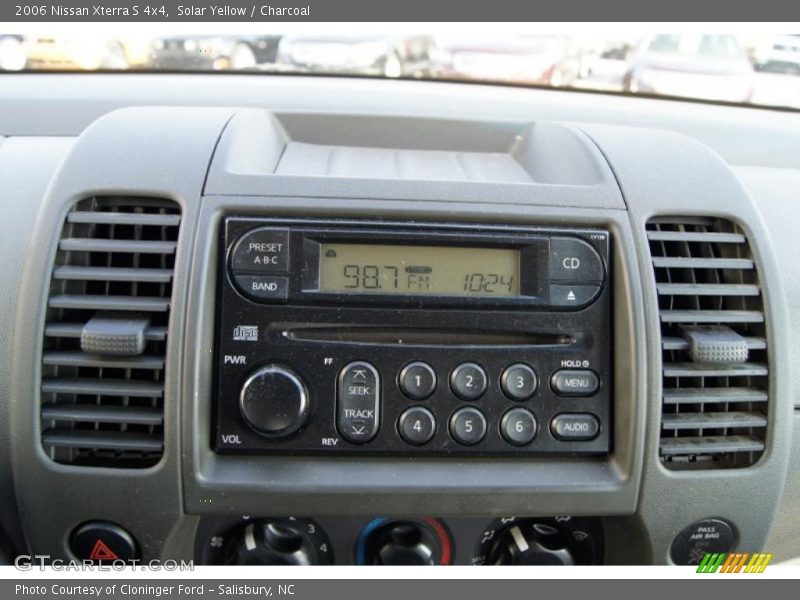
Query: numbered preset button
{"x": 417, "y": 380}
{"x": 518, "y": 426}
{"x": 468, "y": 381}
{"x": 468, "y": 426}
{"x": 519, "y": 382}
{"x": 416, "y": 425}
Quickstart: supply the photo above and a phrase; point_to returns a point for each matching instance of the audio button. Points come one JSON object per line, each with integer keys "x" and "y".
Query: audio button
{"x": 575, "y": 427}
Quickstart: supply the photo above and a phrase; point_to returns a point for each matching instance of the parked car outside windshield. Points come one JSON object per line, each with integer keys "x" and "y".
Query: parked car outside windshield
{"x": 758, "y": 70}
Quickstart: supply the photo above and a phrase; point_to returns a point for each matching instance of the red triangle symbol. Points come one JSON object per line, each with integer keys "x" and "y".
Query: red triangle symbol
{"x": 102, "y": 552}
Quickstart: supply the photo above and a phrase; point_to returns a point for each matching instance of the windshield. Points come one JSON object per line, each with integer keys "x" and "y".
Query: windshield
{"x": 712, "y": 46}
{"x": 753, "y": 70}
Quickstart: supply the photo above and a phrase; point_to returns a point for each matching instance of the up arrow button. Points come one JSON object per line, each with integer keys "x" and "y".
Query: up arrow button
{"x": 572, "y": 296}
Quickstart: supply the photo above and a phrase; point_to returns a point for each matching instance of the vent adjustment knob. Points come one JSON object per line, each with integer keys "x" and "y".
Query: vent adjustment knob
{"x": 274, "y": 401}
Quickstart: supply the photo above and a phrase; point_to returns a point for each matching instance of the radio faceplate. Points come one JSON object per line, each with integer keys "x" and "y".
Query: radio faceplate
{"x": 477, "y": 363}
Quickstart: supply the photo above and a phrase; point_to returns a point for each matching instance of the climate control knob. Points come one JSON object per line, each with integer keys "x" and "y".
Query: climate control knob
{"x": 530, "y": 546}
{"x": 270, "y": 541}
{"x": 274, "y": 401}
{"x": 545, "y": 541}
{"x": 404, "y": 542}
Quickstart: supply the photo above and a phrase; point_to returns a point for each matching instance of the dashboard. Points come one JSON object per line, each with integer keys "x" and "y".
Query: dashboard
{"x": 310, "y": 320}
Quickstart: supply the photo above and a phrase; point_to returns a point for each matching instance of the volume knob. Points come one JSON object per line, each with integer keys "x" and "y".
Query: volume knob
{"x": 274, "y": 401}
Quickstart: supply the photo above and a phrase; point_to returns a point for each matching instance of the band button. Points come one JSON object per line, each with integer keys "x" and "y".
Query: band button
{"x": 263, "y": 287}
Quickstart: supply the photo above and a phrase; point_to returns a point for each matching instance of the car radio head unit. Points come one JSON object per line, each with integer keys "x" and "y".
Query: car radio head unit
{"x": 351, "y": 337}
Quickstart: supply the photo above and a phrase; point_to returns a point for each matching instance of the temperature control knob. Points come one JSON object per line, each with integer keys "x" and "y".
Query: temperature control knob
{"x": 411, "y": 542}
{"x": 274, "y": 401}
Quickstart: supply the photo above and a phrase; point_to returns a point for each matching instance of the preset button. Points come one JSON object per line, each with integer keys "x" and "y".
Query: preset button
{"x": 468, "y": 426}
{"x": 264, "y": 250}
{"x": 518, "y": 382}
{"x": 417, "y": 425}
{"x": 468, "y": 381}
{"x": 518, "y": 426}
{"x": 417, "y": 380}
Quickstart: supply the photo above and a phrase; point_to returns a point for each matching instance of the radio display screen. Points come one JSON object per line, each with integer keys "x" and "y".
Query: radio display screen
{"x": 434, "y": 270}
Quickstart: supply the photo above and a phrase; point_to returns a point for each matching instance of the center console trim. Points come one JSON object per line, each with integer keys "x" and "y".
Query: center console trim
{"x": 403, "y": 485}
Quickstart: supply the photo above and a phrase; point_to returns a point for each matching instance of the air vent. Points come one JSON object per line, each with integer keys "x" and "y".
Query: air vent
{"x": 714, "y": 344}
{"x": 105, "y": 337}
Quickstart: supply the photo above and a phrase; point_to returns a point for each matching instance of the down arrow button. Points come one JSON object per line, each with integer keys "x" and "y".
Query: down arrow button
{"x": 358, "y": 402}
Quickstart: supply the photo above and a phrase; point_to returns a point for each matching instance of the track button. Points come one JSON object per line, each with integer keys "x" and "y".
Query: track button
{"x": 358, "y": 398}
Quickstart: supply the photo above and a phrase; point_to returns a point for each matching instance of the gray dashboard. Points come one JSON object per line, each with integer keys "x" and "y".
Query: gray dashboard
{"x": 298, "y": 147}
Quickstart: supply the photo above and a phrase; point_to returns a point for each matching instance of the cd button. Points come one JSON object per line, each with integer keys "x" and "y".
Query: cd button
{"x": 417, "y": 425}
{"x": 263, "y": 287}
{"x": 468, "y": 381}
{"x": 262, "y": 250}
{"x": 575, "y": 427}
{"x": 574, "y": 260}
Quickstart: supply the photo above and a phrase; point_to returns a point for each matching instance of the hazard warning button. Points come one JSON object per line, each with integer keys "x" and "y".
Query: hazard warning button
{"x": 102, "y": 541}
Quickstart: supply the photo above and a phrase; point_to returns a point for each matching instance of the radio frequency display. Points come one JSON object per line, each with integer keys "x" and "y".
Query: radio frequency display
{"x": 435, "y": 270}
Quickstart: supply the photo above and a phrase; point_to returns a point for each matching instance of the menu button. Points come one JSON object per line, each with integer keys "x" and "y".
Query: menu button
{"x": 575, "y": 382}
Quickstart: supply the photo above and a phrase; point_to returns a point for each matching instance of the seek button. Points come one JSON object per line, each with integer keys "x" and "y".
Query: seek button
{"x": 358, "y": 402}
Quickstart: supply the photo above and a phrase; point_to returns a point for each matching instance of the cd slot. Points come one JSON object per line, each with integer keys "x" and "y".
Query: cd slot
{"x": 409, "y": 336}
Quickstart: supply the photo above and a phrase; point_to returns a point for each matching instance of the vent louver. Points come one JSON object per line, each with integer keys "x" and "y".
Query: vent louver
{"x": 102, "y": 389}
{"x": 714, "y": 345}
